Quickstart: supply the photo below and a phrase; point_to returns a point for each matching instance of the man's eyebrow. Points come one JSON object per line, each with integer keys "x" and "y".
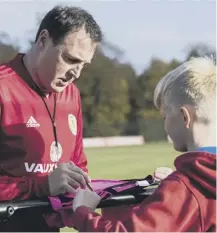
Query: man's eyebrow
{"x": 77, "y": 59}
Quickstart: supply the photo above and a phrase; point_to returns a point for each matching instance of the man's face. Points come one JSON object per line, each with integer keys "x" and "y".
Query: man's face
{"x": 58, "y": 66}
{"x": 175, "y": 126}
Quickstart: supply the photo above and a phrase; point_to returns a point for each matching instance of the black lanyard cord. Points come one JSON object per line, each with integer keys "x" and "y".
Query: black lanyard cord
{"x": 37, "y": 88}
{"x": 53, "y": 118}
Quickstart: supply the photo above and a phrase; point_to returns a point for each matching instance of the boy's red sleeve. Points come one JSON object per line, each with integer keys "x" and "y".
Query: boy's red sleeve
{"x": 171, "y": 208}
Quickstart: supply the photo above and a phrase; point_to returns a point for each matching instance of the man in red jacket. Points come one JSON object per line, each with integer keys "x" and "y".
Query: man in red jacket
{"x": 41, "y": 150}
{"x": 186, "y": 200}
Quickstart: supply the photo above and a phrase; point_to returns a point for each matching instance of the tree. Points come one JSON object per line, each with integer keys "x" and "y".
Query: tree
{"x": 151, "y": 125}
{"x": 8, "y": 48}
{"x": 104, "y": 92}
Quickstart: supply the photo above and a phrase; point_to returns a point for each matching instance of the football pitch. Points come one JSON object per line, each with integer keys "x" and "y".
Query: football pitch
{"x": 128, "y": 162}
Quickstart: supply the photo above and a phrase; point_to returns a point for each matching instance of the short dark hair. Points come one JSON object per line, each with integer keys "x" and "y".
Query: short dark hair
{"x": 62, "y": 20}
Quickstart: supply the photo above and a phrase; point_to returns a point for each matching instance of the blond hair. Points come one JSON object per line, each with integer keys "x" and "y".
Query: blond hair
{"x": 193, "y": 82}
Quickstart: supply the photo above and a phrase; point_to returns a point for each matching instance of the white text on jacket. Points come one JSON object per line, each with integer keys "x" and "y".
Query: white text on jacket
{"x": 39, "y": 167}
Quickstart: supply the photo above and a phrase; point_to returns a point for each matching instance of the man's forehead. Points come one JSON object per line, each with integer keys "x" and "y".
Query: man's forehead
{"x": 81, "y": 34}
{"x": 80, "y": 39}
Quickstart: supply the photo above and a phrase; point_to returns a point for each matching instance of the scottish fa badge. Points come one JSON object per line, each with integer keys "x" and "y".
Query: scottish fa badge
{"x": 72, "y": 124}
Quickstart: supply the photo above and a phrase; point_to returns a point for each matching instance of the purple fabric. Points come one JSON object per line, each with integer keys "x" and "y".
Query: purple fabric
{"x": 104, "y": 188}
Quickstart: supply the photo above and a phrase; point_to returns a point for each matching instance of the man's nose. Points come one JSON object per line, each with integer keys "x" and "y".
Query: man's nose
{"x": 78, "y": 69}
{"x": 74, "y": 72}
{"x": 70, "y": 75}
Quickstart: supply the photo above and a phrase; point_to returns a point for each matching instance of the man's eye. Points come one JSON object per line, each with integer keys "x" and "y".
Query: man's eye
{"x": 72, "y": 60}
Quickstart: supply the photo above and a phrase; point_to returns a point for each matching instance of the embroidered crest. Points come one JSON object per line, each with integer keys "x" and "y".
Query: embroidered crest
{"x": 72, "y": 124}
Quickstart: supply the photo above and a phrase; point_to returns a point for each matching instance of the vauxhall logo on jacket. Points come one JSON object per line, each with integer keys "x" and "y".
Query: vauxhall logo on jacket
{"x": 39, "y": 167}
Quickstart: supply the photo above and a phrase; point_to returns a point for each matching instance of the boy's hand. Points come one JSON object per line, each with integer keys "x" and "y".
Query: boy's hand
{"x": 162, "y": 172}
{"x": 85, "y": 197}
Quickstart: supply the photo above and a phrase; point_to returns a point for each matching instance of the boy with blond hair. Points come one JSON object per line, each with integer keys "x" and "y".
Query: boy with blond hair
{"x": 186, "y": 200}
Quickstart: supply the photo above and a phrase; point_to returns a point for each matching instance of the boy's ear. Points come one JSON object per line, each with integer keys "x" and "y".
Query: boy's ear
{"x": 188, "y": 115}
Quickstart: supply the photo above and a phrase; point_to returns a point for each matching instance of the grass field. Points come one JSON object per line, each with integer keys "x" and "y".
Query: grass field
{"x": 128, "y": 162}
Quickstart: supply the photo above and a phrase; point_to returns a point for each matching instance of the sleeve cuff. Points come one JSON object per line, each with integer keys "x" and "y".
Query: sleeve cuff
{"x": 79, "y": 217}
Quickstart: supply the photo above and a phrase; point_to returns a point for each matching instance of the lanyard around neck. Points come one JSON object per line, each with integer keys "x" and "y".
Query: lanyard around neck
{"x": 41, "y": 94}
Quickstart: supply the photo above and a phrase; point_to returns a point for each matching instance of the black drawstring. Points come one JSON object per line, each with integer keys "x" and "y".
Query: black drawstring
{"x": 53, "y": 118}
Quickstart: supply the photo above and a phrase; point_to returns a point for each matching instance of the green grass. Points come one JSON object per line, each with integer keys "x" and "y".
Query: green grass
{"x": 128, "y": 162}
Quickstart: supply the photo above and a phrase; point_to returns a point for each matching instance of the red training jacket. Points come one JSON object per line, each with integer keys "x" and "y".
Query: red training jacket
{"x": 184, "y": 202}
{"x": 27, "y": 139}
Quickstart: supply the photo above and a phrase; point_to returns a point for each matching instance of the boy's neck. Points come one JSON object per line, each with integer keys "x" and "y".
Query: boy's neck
{"x": 204, "y": 136}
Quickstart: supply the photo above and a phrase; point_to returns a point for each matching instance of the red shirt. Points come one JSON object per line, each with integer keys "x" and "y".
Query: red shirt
{"x": 27, "y": 152}
{"x": 184, "y": 202}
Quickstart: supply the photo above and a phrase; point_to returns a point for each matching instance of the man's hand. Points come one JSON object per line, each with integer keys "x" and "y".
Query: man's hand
{"x": 85, "y": 197}
{"x": 162, "y": 172}
{"x": 66, "y": 178}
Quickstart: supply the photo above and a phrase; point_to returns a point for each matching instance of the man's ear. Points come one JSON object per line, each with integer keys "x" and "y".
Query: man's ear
{"x": 43, "y": 39}
{"x": 188, "y": 115}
